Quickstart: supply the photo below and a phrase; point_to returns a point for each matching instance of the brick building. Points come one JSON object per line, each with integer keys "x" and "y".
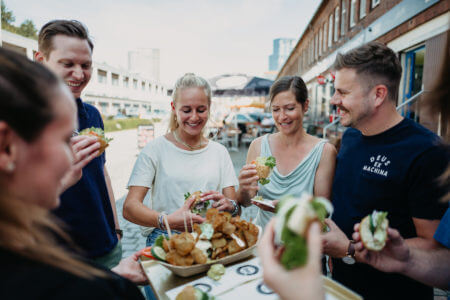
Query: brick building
{"x": 417, "y": 30}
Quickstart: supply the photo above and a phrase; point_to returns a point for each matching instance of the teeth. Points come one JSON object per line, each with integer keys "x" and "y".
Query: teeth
{"x": 73, "y": 84}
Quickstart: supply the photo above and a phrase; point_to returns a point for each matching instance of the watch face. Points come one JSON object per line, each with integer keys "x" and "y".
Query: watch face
{"x": 348, "y": 260}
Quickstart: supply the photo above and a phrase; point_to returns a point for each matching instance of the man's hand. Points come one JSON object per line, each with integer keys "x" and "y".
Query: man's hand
{"x": 301, "y": 283}
{"x": 393, "y": 257}
{"x": 335, "y": 242}
{"x": 131, "y": 269}
{"x": 85, "y": 149}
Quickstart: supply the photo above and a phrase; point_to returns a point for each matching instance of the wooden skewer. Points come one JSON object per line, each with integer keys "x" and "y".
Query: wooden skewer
{"x": 240, "y": 242}
{"x": 167, "y": 227}
{"x": 184, "y": 219}
{"x": 192, "y": 224}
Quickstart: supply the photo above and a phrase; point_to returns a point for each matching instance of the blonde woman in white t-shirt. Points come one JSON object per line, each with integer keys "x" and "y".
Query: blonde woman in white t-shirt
{"x": 181, "y": 161}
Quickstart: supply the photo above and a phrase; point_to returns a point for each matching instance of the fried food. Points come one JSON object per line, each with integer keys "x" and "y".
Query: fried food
{"x": 199, "y": 256}
{"x": 218, "y": 243}
{"x": 183, "y": 243}
{"x": 228, "y": 228}
{"x": 174, "y": 258}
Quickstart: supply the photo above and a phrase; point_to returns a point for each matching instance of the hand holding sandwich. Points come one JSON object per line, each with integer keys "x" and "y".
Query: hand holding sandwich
{"x": 248, "y": 184}
{"x": 393, "y": 257}
{"x": 286, "y": 283}
{"x": 220, "y": 201}
{"x": 177, "y": 219}
{"x": 85, "y": 149}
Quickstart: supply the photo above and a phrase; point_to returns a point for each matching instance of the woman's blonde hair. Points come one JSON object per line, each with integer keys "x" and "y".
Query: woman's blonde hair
{"x": 27, "y": 93}
{"x": 188, "y": 80}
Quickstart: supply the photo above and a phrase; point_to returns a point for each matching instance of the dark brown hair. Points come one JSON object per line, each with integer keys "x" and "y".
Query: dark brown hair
{"x": 295, "y": 84}
{"x": 27, "y": 93}
{"x": 71, "y": 28}
{"x": 375, "y": 64}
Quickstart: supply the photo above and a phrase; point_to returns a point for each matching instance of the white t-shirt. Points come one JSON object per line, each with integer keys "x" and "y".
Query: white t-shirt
{"x": 170, "y": 172}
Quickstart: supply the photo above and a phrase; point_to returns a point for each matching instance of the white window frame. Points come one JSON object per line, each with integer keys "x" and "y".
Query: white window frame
{"x": 375, "y": 3}
{"x": 330, "y": 30}
{"x": 352, "y": 13}
{"x": 362, "y": 8}
{"x": 320, "y": 41}
{"x": 324, "y": 35}
{"x": 344, "y": 17}
{"x": 336, "y": 23}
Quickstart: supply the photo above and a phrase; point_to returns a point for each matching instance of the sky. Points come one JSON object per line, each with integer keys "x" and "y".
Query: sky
{"x": 208, "y": 38}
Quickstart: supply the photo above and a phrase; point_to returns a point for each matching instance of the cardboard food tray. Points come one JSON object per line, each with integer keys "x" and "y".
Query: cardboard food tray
{"x": 187, "y": 271}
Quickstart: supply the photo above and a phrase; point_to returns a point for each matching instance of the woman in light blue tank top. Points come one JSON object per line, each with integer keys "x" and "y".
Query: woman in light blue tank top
{"x": 304, "y": 163}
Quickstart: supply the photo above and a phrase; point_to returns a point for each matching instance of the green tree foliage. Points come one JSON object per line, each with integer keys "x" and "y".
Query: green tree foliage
{"x": 27, "y": 28}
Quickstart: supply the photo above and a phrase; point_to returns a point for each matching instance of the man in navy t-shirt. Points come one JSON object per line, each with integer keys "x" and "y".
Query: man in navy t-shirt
{"x": 386, "y": 163}
{"x": 88, "y": 207}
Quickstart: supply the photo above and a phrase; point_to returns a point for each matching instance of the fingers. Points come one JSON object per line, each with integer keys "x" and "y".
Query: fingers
{"x": 197, "y": 218}
{"x": 314, "y": 244}
{"x": 266, "y": 247}
{"x": 356, "y": 227}
{"x": 189, "y": 201}
{"x": 212, "y": 195}
{"x": 81, "y": 142}
{"x": 330, "y": 223}
{"x": 356, "y": 236}
{"x": 394, "y": 236}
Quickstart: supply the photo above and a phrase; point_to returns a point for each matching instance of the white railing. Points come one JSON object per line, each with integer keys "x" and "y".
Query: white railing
{"x": 410, "y": 100}
{"x": 329, "y": 125}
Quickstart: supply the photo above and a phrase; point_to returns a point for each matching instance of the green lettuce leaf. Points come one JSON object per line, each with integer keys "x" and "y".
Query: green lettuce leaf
{"x": 270, "y": 162}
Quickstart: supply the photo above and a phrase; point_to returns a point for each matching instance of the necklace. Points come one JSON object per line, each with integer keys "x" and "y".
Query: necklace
{"x": 175, "y": 135}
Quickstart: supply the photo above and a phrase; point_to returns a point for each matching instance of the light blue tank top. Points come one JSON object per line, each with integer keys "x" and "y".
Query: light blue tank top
{"x": 299, "y": 180}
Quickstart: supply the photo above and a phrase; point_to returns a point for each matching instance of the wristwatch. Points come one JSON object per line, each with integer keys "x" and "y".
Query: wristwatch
{"x": 349, "y": 257}
{"x": 235, "y": 207}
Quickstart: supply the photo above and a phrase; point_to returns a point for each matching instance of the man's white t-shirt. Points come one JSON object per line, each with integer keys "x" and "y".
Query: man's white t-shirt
{"x": 170, "y": 172}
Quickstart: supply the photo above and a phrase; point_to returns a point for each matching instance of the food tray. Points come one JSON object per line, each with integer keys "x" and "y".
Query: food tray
{"x": 186, "y": 271}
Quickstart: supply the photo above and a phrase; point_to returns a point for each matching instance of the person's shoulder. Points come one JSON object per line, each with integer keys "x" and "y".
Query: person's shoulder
{"x": 351, "y": 133}
{"x": 91, "y": 108}
{"x": 156, "y": 145}
{"x": 257, "y": 142}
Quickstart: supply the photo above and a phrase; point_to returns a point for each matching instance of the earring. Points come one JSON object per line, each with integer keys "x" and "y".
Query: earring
{"x": 10, "y": 166}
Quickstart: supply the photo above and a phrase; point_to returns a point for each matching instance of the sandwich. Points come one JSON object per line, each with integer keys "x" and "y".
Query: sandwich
{"x": 264, "y": 166}
{"x": 198, "y": 207}
{"x": 193, "y": 293}
{"x": 294, "y": 216}
{"x": 100, "y": 135}
{"x": 373, "y": 230}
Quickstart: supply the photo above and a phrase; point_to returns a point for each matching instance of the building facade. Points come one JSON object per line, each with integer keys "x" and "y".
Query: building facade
{"x": 417, "y": 30}
{"x": 112, "y": 90}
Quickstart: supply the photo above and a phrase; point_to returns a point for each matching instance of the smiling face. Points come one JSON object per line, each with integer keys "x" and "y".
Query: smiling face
{"x": 71, "y": 59}
{"x": 41, "y": 164}
{"x": 351, "y": 99}
{"x": 288, "y": 113}
{"x": 192, "y": 110}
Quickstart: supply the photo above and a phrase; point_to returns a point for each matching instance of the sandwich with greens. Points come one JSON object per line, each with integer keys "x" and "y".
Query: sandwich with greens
{"x": 373, "y": 230}
{"x": 264, "y": 166}
{"x": 293, "y": 218}
{"x": 100, "y": 135}
{"x": 197, "y": 207}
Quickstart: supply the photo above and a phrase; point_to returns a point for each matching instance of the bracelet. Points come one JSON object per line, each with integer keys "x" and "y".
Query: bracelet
{"x": 235, "y": 207}
{"x": 161, "y": 224}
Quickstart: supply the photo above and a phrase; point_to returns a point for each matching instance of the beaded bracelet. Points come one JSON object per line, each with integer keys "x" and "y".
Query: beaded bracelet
{"x": 161, "y": 221}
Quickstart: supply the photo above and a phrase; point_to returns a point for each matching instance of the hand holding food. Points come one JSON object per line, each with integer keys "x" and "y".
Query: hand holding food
{"x": 294, "y": 216}
{"x": 198, "y": 206}
{"x": 100, "y": 135}
{"x": 264, "y": 204}
{"x": 373, "y": 230}
{"x": 183, "y": 216}
{"x": 264, "y": 166}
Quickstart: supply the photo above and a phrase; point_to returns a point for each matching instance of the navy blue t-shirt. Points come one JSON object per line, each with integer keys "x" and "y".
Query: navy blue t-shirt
{"x": 395, "y": 171}
{"x": 86, "y": 207}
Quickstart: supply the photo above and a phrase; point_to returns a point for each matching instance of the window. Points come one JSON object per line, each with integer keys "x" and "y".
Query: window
{"x": 126, "y": 81}
{"x": 135, "y": 84}
{"x": 101, "y": 76}
{"x": 150, "y": 87}
{"x": 143, "y": 85}
{"x": 352, "y": 13}
{"x": 336, "y": 23}
{"x": 375, "y": 3}
{"x": 362, "y": 8}
{"x": 330, "y": 31}
{"x": 320, "y": 41}
{"x": 115, "y": 79}
{"x": 324, "y": 45}
{"x": 344, "y": 18}
{"x": 316, "y": 46}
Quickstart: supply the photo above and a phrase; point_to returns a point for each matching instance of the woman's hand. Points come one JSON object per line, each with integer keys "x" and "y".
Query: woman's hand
{"x": 248, "y": 184}
{"x": 85, "y": 149}
{"x": 266, "y": 207}
{"x": 131, "y": 269}
{"x": 301, "y": 283}
{"x": 183, "y": 215}
{"x": 220, "y": 201}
